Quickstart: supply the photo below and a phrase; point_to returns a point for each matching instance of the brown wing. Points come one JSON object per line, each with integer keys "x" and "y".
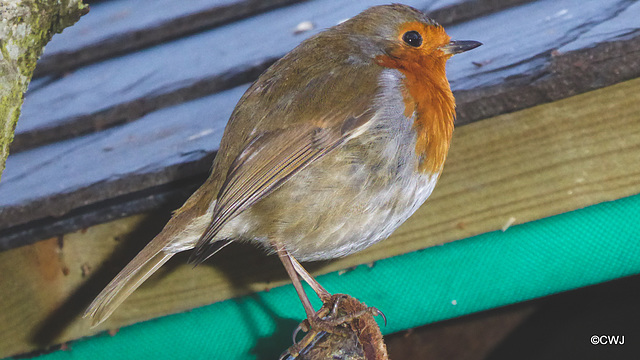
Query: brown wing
{"x": 267, "y": 162}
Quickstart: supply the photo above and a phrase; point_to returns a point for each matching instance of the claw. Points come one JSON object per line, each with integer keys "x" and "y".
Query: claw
{"x": 376, "y": 312}
{"x": 301, "y": 327}
{"x": 336, "y": 304}
{"x": 295, "y": 334}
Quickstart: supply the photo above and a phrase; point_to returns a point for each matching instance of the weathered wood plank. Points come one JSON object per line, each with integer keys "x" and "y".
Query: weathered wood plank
{"x": 529, "y": 164}
{"x": 120, "y": 26}
{"x": 601, "y": 51}
{"x": 200, "y": 64}
{"x": 138, "y": 83}
{"x": 117, "y": 161}
{"x": 583, "y": 67}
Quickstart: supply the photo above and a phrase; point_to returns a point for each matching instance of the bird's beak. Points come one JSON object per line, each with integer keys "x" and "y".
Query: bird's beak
{"x": 459, "y": 46}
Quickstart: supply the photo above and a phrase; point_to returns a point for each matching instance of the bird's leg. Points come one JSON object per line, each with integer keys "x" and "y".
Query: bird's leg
{"x": 294, "y": 269}
{"x": 285, "y": 257}
{"x": 326, "y": 319}
{"x": 322, "y": 293}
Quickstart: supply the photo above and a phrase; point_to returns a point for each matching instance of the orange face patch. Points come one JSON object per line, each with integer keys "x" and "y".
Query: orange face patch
{"x": 426, "y": 92}
{"x": 432, "y": 36}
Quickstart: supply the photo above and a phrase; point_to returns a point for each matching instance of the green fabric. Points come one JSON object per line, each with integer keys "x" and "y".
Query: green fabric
{"x": 543, "y": 257}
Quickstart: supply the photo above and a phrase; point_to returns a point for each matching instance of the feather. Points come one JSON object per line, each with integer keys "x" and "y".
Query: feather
{"x": 268, "y": 161}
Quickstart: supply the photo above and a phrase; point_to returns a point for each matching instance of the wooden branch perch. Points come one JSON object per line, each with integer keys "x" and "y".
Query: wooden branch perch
{"x": 26, "y": 27}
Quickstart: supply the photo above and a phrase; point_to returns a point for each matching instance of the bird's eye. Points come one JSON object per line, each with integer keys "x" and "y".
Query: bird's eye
{"x": 412, "y": 38}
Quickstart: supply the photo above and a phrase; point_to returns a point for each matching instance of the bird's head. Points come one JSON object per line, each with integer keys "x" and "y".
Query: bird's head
{"x": 401, "y": 37}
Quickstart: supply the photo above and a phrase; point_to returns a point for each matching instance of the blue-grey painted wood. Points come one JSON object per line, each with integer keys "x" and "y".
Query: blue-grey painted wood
{"x": 534, "y": 61}
{"x": 152, "y": 150}
{"x": 123, "y": 88}
{"x": 119, "y": 26}
{"x": 110, "y": 19}
{"x": 623, "y": 24}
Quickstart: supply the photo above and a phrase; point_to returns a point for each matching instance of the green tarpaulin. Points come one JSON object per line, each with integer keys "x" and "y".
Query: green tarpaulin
{"x": 563, "y": 252}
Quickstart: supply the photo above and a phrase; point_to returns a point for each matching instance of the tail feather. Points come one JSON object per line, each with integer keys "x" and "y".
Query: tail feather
{"x": 180, "y": 233}
{"x": 128, "y": 280}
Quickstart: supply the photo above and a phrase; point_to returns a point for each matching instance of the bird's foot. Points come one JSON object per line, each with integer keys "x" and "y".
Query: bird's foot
{"x": 335, "y": 316}
{"x": 342, "y": 322}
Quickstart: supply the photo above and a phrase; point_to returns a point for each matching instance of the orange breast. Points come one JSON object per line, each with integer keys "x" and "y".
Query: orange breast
{"x": 427, "y": 95}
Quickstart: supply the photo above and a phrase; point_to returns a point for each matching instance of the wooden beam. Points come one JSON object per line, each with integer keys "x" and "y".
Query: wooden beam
{"x": 512, "y": 168}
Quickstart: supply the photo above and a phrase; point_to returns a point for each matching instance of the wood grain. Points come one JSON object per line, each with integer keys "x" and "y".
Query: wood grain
{"x": 527, "y": 165}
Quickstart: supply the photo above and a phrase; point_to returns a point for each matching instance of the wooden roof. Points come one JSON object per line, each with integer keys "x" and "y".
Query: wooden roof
{"x": 93, "y": 140}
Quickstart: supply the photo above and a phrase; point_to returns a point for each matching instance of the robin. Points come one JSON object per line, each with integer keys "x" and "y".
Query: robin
{"x": 328, "y": 152}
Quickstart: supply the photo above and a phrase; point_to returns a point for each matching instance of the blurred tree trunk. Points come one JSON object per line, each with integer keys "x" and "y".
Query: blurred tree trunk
{"x": 26, "y": 26}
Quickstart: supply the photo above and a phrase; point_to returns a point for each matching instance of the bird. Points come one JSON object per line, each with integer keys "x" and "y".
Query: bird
{"x": 331, "y": 149}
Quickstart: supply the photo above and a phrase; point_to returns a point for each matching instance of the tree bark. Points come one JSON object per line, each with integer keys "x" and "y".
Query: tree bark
{"x": 26, "y": 26}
